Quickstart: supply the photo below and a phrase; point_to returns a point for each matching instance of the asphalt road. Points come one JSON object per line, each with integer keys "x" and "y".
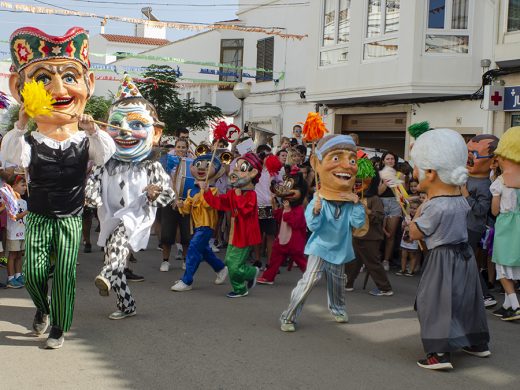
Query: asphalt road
{"x": 202, "y": 340}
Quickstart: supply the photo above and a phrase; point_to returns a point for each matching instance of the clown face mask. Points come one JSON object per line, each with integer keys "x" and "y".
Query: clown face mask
{"x": 480, "y": 155}
{"x": 134, "y": 144}
{"x": 243, "y": 175}
{"x": 337, "y": 173}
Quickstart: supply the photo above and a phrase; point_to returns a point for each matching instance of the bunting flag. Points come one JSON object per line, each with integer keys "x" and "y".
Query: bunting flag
{"x": 175, "y": 25}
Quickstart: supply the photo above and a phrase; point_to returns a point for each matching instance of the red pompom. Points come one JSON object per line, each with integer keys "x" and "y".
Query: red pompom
{"x": 273, "y": 165}
{"x": 220, "y": 130}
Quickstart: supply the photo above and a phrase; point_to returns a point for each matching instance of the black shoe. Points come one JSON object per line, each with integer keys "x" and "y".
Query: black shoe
{"x": 257, "y": 264}
{"x": 511, "y": 315}
{"x": 252, "y": 283}
{"x": 131, "y": 277}
{"x": 500, "y": 312}
{"x": 489, "y": 301}
{"x": 2, "y": 285}
{"x": 481, "y": 351}
{"x": 40, "y": 322}
{"x": 87, "y": 248}
{"x": 435, "y": 362}
{"x": 132, "y": 258}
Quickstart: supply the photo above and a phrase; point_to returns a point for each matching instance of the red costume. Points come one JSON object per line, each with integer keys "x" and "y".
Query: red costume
{"x": 290, "y": 241}
{"x": 245, "y": 229}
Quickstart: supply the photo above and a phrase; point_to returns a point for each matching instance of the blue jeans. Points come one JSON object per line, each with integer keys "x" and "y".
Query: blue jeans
{"x": 198, "y": 251}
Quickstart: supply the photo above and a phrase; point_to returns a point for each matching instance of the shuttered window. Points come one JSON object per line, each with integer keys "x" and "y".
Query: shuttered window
{"x": 264, "y": 58}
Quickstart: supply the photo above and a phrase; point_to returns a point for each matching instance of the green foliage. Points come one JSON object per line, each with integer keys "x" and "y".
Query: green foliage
{"x": 176, "y": 113}
{"x": 14, "y": 109}
{"x": 98, "y": 107}
{"x": 417, "y": 129}
{"x": 365, "y": 169}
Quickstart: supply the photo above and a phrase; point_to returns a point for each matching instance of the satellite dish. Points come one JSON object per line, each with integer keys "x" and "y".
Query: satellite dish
{"x": 147, "y": 11}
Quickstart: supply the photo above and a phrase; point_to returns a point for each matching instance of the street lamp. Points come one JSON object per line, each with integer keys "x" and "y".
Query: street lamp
{"x": 241, "y": 91}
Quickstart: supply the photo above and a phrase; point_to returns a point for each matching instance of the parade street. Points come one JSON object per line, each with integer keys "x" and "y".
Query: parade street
{"x": 202, "y": 340}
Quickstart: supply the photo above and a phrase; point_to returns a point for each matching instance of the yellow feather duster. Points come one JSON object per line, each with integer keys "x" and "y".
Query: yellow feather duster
{"x": 37, "y": 101}
{"x": 314, "y": 129}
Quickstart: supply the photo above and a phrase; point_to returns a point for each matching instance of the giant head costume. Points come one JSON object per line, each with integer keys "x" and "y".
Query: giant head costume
{"x": 481, "y": 157}
{"x": 335, "y": 161}
{"x": 204, "y": 166}
{"x": 246, "y": 172}
{"x": 508, "y": 152}
{"x": 440, "y": 154}
{"x": 138, "y": 118}
{"x": 293, "y": 188}
{"x": 59, "y": 62}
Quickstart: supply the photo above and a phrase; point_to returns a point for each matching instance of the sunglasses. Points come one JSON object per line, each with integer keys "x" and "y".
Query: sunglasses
{"x": 477, "y": 156}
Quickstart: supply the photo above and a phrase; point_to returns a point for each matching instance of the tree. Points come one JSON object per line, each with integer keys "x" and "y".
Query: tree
{"x": 12, "y": 114}
{"x": 98, "y": 107}
{"x": 176, "y": 113}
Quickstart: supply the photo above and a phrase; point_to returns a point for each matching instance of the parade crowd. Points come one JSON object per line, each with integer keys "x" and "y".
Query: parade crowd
{"x": 329, "y": 206}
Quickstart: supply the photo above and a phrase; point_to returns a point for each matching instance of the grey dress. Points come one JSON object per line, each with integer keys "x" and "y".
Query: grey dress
{"x": 449, "y": 302}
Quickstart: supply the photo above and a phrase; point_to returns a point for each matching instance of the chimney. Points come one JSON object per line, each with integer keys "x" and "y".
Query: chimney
{"x": 103, "y": 23}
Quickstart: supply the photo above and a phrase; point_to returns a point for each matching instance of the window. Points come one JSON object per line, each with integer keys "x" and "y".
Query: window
{"x": 448, "y": 27}
{"x": 264, "y": 58}
{"x": 231, "y": 53}
{"x": 513, "y": 16}
{"x": 336, "y": 32}
{"x": 382, "y": 29}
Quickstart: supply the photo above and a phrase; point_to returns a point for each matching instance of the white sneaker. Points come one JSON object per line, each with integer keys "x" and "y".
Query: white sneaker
{"x": 179, "y": 252}
{"x": 221, "y": 276}
{"x": 214, "y": 248}
{"x": 386, "y": 265}
{"x": 165, "y": 266}
{"x": 341, "y": 318}
{"x": 180, "y": 286}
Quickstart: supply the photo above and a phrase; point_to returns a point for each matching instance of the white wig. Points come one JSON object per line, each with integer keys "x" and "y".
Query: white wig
{"x": 444, "y": 151}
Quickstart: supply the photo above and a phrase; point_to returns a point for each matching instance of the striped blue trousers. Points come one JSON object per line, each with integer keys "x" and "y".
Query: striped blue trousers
{"x": 335, "y": 276}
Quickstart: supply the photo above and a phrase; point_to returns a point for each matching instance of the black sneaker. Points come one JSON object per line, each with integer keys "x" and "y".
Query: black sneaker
{"x": 252, "y": 283}
{"x": 500, "y": 312}
{"x": 400, "y": 272}
{"x": 132, "y": 258}
{"x": 131, "y": 277}
{"x": 481, "y": 351}
{"x": 511, "y": 315}
{"x": 435, "y": 362}
{"x": 40, "y": 322}
{"x": 87, "y": 248}
{"x": 489, "y": 301}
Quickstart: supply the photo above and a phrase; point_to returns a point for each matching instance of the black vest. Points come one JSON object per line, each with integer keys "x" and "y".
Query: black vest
{"x": 57, "y": 179}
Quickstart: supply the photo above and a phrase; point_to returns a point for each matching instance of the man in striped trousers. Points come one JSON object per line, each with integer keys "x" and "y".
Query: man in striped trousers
{"x": 331, "y": 216}
{"x": 55, "y": 157}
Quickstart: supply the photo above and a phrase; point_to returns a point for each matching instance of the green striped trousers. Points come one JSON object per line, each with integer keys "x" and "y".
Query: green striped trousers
{"x": 59, "y": 238}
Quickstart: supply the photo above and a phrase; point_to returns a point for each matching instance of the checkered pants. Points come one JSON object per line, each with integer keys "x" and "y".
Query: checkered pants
{"x": 116, "y": 253}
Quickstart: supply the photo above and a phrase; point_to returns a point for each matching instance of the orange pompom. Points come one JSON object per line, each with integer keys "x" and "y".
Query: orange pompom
{"x": 314, "y": 129}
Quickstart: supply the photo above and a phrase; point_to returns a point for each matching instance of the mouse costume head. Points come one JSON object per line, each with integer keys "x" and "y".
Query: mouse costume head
{"x": 139, "y": 119}
{"x": 61, "y": 64}
{"x": 481, "y": 157}
{"x": 247, "y": 171}
{"x": 293, "y": 187}
{"x": 508, "y": 152}
{"x": 335, "y": 161}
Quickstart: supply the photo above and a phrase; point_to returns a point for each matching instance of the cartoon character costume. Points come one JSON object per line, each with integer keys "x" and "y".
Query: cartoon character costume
{"x": 481, "y": 157}
{"x": 245, "y": 229}
{"x": 127, "y": 191}
{"x": 506, "y": 202}
{"x": 204, "y": 219}
{"x": 449, "y": 297}
{"x": 55, "y": 157}
{"x": 331, "y": 217}
{"x": 292, "y": 235}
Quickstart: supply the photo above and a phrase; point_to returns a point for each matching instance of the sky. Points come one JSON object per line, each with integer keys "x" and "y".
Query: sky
{"x": 205, "y": 11}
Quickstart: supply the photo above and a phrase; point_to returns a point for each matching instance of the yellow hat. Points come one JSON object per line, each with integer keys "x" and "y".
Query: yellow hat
{"x": 509, "y": 145}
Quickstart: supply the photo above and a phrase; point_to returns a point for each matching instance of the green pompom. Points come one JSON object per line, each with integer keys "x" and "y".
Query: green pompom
{"x": 417, "y": 129}
{"x": 365, "y": 169}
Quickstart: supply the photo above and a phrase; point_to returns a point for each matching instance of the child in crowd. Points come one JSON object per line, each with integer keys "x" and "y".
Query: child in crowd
{"x": 413, "y": 188}
{"x": 409, "y": 248}
{"x": 285, "y": 143}
{"x": 16, "y": 235}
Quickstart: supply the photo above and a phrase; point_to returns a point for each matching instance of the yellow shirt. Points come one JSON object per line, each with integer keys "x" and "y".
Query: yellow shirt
{"x": 202, "y": 214}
